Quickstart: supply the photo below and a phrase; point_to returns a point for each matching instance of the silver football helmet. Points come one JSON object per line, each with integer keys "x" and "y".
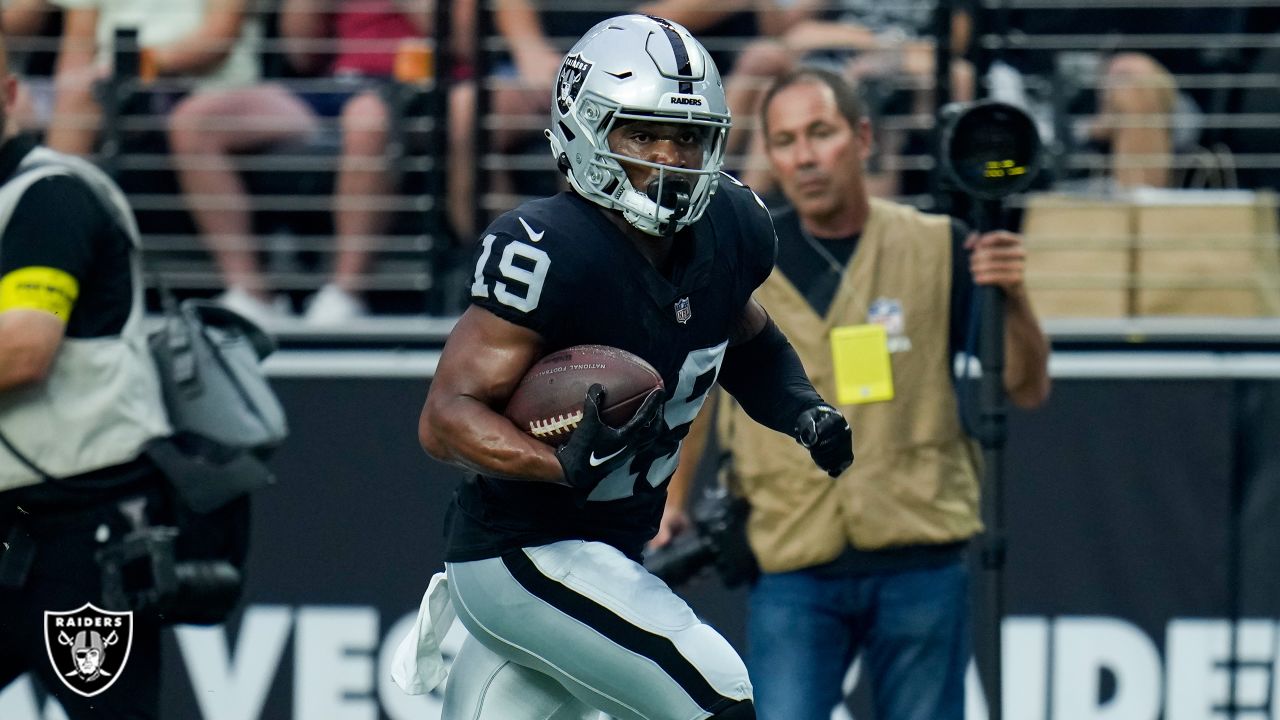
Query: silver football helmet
{"x": 629, "y": 68}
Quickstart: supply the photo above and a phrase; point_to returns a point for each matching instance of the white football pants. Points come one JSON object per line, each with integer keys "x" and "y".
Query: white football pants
{"x": 560, "y": 630}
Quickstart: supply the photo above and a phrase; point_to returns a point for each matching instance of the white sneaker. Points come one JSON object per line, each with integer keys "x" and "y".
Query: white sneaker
{"x": 265, "y": 314}
{"x": 333, "y": 306}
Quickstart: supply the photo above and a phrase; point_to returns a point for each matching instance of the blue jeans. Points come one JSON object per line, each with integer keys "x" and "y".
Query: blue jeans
{"x": 912, "y": 627}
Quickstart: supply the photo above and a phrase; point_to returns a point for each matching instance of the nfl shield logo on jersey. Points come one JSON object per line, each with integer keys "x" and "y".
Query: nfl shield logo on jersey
{"x": 683, "y": 312}
{"x": 88, "y": 647}
{"x": 569, "y": 84}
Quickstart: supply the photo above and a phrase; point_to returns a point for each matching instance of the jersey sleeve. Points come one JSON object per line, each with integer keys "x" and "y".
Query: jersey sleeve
{"x": 764, "y": 246}
{"x": 760, "y": 241}
{"x": 520, "y": 279}
{"x": 47, "y": 249}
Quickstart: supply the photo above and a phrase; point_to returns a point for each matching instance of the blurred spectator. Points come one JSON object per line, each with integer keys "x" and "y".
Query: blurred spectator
{"x": 32, "y": 28}
{"x": 1140, "y": 108}
{"x": 355, "y": 43}
{"x": 537, "y": 36}
{"x": 460, "y": 130}
{"x": 23, "y": 18}
{"x": 215, "y": 44}
{"x": 1137, "y": 102}
{"x": 365, "y": 36}
{"x": 888, "y": 43}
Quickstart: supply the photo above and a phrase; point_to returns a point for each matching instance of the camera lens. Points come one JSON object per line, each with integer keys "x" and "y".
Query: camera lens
{"x": 207, "y": 590}
{"x": 990, "y": 149}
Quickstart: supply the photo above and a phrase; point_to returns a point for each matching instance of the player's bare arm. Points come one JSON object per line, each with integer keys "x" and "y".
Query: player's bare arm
{"x": 462, "y": 421}
{"x": 35, "y": 303}
{"x": 208, "y": 45}
{"x": 29, "y": 339}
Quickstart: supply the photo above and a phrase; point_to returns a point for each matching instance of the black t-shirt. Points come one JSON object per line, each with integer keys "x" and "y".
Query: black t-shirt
{"x": 60, "y": 223}
{"x": 812, "y": 274}
{"x": 561, "y": 268}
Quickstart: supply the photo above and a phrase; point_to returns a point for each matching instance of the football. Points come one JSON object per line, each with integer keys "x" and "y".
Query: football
{"x": 547, "y": 403}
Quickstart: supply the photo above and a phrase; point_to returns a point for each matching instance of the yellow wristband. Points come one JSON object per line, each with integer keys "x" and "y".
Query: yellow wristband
{"x": 39, "y": 288}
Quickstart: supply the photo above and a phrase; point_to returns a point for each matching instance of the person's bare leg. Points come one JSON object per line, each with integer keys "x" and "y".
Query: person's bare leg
{"x": 73, "y": 128}
{"x": 363, "y": 175}
{"x": 516, "y": 109}
{"x": 205, "y": 129}
{"x": 461, "y": 190}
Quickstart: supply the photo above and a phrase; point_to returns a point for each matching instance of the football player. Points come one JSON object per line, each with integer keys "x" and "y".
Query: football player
{"x": 656, "y": 252}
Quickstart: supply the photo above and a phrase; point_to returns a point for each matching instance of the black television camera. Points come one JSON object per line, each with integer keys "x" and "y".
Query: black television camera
{"x": 189, "y": 572}
{"x": 141, "y": 572}
{"x": 989, "y": 149}
{"x": 719, "y": 538}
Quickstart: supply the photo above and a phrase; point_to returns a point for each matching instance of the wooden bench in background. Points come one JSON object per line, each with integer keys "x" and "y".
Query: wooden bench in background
{"x": 1154, "y": 253}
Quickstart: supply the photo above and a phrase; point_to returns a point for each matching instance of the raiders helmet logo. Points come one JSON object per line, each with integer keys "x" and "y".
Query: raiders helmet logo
{"x": 573, "y": 71}
{"x": 88, "y": 647}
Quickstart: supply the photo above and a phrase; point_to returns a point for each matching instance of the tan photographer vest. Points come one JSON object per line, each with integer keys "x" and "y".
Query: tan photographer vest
{"x": 915, "y": 477}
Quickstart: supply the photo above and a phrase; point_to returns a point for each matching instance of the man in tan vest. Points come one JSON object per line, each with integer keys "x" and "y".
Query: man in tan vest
{"x": 874, "y": 561}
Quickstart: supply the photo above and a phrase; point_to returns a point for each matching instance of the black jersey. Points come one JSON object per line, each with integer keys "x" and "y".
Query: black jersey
{"x": 559, "y": 267}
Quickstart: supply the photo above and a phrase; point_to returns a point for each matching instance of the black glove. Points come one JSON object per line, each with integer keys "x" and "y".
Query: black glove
{"x": 595, "y": 449}
{"x": 825, "y": 432}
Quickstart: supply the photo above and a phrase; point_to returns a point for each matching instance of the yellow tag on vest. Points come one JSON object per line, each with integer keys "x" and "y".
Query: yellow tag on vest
{"x": 860, "y": 355}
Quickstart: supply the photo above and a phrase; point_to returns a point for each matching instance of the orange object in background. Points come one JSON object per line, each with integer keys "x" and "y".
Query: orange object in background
{"x": 415, "y": 61}
{"x": 147, "y": 70}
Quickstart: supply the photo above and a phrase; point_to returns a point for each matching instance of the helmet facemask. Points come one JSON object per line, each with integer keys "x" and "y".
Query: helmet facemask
{"x": 674, "y": 198}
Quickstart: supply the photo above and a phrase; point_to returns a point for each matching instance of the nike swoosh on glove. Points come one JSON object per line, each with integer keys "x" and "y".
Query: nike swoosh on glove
{"x": 595, "y": 449}
{"x": 828, "y": 437}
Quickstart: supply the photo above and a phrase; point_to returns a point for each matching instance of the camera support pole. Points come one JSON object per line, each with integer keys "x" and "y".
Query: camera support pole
{"x": 991, "y": 150}
{"x": 992, "y": 432}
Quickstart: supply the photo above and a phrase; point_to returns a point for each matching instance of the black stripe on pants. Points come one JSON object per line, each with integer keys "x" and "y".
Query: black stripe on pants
{"x": 654, "y": 646}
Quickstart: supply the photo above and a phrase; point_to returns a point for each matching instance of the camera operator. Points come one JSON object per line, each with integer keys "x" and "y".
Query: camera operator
{"x": 874, "y": 561}
{"x": 79, "y": 400}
